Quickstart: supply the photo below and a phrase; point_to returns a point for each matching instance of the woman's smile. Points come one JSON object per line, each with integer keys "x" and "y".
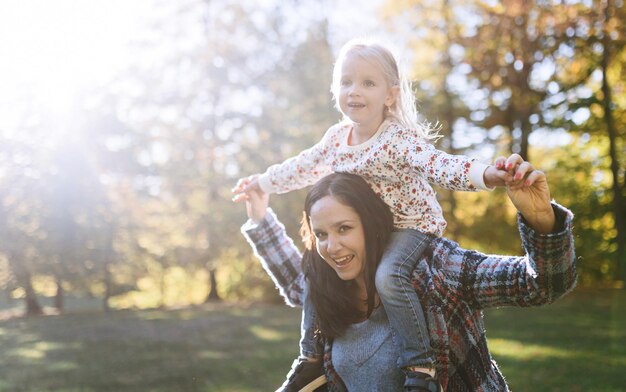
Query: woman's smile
{"x": 339, "y": 237}
{"x": 343, "y": 261}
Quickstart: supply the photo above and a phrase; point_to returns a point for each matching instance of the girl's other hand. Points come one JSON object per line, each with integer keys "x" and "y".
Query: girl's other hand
{"x": 246, "y": 185}
{"x": 257, "y": 201}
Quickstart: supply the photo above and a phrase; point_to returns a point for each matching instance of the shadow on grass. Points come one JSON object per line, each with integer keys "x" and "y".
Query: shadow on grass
{"x": 213, "y": 348}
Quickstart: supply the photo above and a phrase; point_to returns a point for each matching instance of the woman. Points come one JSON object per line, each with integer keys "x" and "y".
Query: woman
{"x": 346, "y": 227}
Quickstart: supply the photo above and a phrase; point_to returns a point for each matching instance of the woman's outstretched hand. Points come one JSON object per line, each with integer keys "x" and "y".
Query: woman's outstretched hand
{"x": 529, "y": 192}
{"x": 256, "y": 200}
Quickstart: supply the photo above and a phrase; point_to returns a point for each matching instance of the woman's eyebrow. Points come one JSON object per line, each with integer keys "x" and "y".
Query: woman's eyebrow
{"x": 335, "y": 224}
{"x": 342, "y": 222}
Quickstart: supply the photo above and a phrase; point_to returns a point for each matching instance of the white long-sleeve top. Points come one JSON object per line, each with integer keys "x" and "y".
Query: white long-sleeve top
{"x": 396, "y": 162}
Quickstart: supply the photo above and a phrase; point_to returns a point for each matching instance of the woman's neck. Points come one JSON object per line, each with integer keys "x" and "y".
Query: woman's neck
{"x": 362, "y": 297}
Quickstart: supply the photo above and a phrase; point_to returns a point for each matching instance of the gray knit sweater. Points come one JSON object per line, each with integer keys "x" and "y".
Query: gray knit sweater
{"x": 365, "y": 356}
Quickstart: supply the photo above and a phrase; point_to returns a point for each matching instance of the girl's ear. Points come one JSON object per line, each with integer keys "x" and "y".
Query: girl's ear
{"x": 392, "y": 95}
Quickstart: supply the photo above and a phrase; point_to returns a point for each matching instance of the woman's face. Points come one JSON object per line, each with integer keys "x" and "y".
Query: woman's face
{"x": 340, "y": 238}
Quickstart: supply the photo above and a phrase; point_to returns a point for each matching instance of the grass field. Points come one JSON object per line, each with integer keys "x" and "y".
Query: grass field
{"x": 578, "y": 344}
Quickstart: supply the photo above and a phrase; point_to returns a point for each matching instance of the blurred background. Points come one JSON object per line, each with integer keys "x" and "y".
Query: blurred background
{"x": 124, "y": 125}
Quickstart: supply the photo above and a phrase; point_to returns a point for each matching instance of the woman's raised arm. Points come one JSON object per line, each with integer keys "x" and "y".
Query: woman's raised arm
{"x": 546, "y": 272}
{"x": 279, "y": 256}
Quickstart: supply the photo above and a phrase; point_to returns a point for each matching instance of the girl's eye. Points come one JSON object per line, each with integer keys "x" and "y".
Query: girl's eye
{"x": 369, "y": 83}
{"x": 345, "y": 82}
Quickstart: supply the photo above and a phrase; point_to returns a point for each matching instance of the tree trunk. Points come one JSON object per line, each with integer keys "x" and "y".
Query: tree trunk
{"x": 107, "y": 255}
{"x": 33, "y": 308}
{"x": 618, "y": 200}
{"x": 59, "y": 300}
{"x": 107, "y": 287}
{"x": 163, "y": 287}
{"x": 213, "y": 294}
{"x": 525, "y": 128}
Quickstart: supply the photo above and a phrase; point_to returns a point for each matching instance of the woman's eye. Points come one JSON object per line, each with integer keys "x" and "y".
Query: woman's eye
{"x": 343, "y": 229}
{"x": 320, "y": 236}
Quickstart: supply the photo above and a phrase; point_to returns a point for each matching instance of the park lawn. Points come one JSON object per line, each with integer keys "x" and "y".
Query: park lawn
{"x": 221, "y": 347}
{"x": 577, "y": 344}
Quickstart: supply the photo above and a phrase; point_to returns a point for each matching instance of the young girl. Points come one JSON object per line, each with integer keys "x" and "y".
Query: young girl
{"x": 380, "y": 139}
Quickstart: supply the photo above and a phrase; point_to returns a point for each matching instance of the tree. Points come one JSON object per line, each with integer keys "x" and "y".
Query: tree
{"x": 612, "y": 26}
{"x": 589, "y": 69}
{"x": 19, "y": 228}
{"x": 191, "y": 136}
{"x": 526, "y": 67}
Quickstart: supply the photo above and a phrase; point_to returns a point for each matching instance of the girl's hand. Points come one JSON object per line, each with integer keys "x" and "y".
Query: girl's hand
{"x": 247, "y": 183}
{"x": 257, "y": 201}
{"x": 529, "y": 192}
{"x": 494, "y": 177}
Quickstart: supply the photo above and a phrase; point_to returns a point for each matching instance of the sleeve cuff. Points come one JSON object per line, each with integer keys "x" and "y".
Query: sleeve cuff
{"x": 476, "y": 175}
{"x": 252, "y": 225}
{"x": 261, "y": 232}
{"x": 552, "y": 241}
{"x": 266, "y": 184}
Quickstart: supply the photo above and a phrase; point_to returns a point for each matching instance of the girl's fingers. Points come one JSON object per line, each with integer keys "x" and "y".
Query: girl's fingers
{"x": 243, "y": 183}
{"x": 522, "y": 170}
{"x": 533, "y": 176}
{"x": 504, "y": 176}
{"x": 512, "y": 161}
{"x": 499, "y": 162}
{"x": 240, "y": 197}
{"x": 240, "y": 185}
{"x": 527, "y": 181}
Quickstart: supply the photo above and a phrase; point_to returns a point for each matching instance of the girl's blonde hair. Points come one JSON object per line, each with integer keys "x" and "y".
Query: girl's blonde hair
{"x": 404, "y": 109}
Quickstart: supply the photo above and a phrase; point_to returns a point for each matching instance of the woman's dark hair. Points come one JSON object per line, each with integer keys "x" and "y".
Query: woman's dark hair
{"x": 334, "y": 299}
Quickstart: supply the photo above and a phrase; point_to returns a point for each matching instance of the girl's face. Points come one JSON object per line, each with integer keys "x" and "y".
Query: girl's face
{"x": 340, "y": 238}
{"x": 364, "y": 93}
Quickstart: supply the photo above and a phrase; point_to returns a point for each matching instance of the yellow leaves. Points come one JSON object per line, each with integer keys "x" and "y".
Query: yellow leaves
{"x": 182, "y": 288}
{"x": 597, "y": 110}
{"x": 575, "y": 67}
{"x": 498, "y": 8}
{"x": 496, "y": 80}
{"x": 605, "y": 224}
{"x": 392, "y": 8}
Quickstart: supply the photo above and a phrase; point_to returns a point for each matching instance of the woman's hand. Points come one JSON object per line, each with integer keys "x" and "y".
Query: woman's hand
{"x": 529, "y": 192}
{"x": 257, "y": 201}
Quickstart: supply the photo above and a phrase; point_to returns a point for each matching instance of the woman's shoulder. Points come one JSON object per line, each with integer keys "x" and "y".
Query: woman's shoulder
{"x": 446, "y": 254}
